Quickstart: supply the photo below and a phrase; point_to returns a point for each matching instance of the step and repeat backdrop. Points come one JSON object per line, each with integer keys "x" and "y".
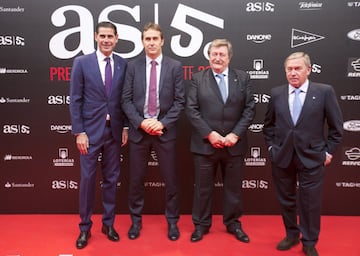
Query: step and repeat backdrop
{"x": 39, "y": 164}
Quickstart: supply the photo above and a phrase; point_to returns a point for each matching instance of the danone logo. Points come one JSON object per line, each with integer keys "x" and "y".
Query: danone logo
{"x": 352, "y": 125}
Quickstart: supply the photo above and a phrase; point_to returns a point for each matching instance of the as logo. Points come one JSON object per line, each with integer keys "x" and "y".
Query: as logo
{"x": 59, "y": 99}
{"x": 16, "y": 129}
{"x": 64, "y": 184}
{"x": 261, "y": 98}
{"x": 315, "y": 68}
{"x": 11, "y": 41}
{"x": 260, "y": 7}
{"x": 253, "y": 184}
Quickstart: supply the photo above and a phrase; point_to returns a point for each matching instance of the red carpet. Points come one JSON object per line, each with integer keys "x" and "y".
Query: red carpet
{"x": 55, "y": 235}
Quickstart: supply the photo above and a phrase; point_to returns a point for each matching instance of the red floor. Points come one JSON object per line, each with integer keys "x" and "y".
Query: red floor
{"x": 55, "y": 235}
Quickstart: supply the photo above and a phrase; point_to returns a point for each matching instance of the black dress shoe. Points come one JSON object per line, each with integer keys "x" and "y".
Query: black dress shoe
{"x": 134, "y": 231}
{"x": 240, "y": 235}
{"x": 310, "y": 251}
{"x": 82, "y": 240}
{"x": 287, "y": 243}
{"x": 198, "y": 234}
{"x": 111, "y": 233}
{"x": 173, "y": 232}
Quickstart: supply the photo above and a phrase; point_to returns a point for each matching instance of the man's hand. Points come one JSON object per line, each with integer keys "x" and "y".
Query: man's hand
{"x": 231, "y": 139}
{"x": 124, "y": 136}
{"x": 152, "y": 126}
{"x": 216, "y": 140}
{"x": 82, "y": 143}
{"x": 328, "y": 159}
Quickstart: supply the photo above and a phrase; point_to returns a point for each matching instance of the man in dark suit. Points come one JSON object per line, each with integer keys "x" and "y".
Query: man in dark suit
{"x": 219, "y": 137}
{"x": 153, "y": 98}
{"x": 294, "y": 130}
{"x": 98, "y": 124}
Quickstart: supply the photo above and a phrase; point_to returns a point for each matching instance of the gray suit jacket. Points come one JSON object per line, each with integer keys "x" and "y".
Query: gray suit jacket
{"x": 308, "y": 136}
{"x": 207, "y": 112}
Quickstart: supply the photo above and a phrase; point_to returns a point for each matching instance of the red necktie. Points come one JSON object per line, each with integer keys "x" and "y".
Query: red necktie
{"x": 152, "y": 90}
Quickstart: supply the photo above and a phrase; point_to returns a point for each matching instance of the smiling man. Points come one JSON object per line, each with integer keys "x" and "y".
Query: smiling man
{"x": 220, "y": 107}
{"x": 98, "y": 124}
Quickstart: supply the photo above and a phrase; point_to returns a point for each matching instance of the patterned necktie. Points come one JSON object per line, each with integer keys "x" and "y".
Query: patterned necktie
{"x": 222, "y": 86}
{"x": 152, "y": 90}
{"x": 108, "y": 76}
{"x": 296, "y": 106}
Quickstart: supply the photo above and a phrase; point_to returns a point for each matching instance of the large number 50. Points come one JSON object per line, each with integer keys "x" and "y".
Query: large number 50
{"x": 196, "y": 40}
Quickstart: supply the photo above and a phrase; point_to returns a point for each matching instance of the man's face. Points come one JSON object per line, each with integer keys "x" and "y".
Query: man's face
{"x": 219, "y": 58}
{"x": 152, "y": 43}
{"x": 106, "y": 40}
{"x": 296, "y": 72}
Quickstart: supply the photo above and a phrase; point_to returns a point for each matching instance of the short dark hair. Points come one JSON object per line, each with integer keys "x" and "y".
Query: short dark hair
{"x": 106, "y": 24}
{"x": 153, "y": 26}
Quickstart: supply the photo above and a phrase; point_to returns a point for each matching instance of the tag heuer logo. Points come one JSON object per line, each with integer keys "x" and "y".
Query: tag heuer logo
{"x": 299, "y": 37}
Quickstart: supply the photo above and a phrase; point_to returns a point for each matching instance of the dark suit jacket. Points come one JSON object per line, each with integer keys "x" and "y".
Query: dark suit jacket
{"x": 89, "y": 104}
{"x": 207, "y": 112}
{"x": 307, "y": 137}
{"x": 171, "y": 96}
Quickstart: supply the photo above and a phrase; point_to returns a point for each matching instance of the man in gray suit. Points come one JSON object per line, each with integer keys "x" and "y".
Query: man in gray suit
{"x": 294, "y": 130}
{"x": 153, "y": 98}
{"x": 220, "y": 107}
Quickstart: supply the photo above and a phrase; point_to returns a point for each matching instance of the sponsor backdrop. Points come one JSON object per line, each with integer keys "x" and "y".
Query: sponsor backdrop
{"x": 39, "y": 39}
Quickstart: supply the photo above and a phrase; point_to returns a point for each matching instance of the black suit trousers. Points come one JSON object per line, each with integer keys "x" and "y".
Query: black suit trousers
{"x": 139, "y": 157}
{"x": 299, "y": 184}
{"x": 206, "y": 167}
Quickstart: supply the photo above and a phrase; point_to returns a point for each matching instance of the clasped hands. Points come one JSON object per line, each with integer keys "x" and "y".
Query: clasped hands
{"x": 218, "y": 141}
{"x": 152, "y": 126}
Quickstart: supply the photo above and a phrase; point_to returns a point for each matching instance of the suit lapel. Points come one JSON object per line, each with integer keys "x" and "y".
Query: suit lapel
{"x": 116, "y": 76}
{"x": 163, "y": 72}
{"x": 94, "y": 65}
{"x": 233, "y": 83}
{"x": 142, "y": 73}
{"x": 285, "y": 99}
{"x": 308, "y": 102}
{"x": 213, "y": 85}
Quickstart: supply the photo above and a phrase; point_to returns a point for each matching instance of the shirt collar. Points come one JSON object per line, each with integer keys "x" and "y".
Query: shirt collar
{"x": 225, "y": 72}
{"x": 101, "y": 56}
{"x": 304, "y": 87}
{"x": 158, "y": 59}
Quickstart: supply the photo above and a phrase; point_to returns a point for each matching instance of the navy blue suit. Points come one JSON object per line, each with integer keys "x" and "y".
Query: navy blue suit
{"x": 298, "y": 153}
{"x": 171, "y": 103}
{"x": 89, "y": 106}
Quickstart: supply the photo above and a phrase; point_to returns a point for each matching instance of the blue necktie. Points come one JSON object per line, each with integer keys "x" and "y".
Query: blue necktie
{"x": 152, "y": 90}
{"x": 296, "y": 106}
{"x": 222, "y": 86}
{"x": 108, "y": 76}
